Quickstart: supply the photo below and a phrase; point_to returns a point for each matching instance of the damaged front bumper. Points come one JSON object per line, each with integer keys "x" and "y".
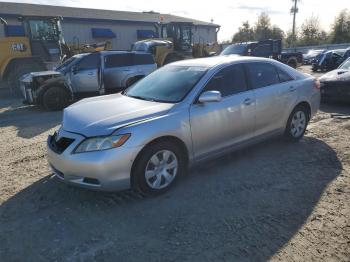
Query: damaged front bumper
{"x": 30, "y": 84}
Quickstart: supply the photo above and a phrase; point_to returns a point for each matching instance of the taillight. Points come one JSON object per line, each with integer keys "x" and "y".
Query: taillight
{"x": 317, "y": 84}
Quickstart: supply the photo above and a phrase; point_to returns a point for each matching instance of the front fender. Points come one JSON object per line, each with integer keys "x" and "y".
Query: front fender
{"x": 174, "y": 124}
{"x": 57, "y": 81}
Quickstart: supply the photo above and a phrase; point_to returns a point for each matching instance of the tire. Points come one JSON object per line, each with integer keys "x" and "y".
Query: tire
{"x": 55, "y": 98}
{"x": 146, "y": 163}
{"x": 292, "y": 64}
{"x": 18, "y": 71}
{"x": 297, "y": 123}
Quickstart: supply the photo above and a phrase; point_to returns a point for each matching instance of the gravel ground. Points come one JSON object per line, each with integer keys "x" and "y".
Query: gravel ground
{"x": 273, "y": 201}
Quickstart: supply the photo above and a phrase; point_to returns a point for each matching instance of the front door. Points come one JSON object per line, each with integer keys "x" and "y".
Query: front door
{"x": 216, "y": 126}
{"x": 85, "y": 76}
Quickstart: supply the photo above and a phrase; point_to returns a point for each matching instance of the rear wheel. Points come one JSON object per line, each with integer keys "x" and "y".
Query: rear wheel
{"x": 292, "y": 63}
{"x": 18, "y": 70}
{"x": 158, "y": 167}
{"x": 55, "y": 98}
{"x": 297, "y": 123}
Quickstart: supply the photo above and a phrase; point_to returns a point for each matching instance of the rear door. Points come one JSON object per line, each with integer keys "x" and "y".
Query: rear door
{"x": 117, "y": 68}
{"x": 218, "y": 125}
{"x": 85, "y": 74}
{"x": 144, "y": 64}
{"x": 274, "y": 92}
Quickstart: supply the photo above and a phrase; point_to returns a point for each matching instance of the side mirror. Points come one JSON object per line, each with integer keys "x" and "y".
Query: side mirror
{"x": 210, "y": 96}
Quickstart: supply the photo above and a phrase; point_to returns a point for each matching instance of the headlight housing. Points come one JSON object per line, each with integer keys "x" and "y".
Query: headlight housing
{"x": 101, "y": 143}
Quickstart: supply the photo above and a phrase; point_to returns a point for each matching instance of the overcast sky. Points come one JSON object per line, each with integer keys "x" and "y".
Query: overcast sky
{"x": 227, "y": 13}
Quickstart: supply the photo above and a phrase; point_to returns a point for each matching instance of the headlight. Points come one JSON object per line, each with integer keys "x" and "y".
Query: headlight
{"x": 101, "y": 143}
{"x": 27, "y": 78}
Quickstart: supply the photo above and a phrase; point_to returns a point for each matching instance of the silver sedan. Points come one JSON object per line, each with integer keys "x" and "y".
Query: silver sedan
{"x": 182, "y": 114}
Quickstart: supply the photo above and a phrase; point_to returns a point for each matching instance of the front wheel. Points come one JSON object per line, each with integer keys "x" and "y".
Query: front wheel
{"x": 297, "y": 123}
{"x": 158, "y": 167}
{"x": 55, "y": 98}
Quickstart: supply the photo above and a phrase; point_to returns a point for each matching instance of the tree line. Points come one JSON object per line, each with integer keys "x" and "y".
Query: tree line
{"x": 309, "y": 33}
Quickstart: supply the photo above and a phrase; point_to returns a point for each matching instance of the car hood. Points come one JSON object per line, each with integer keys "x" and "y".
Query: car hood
{"x": 102, "y": 115}
{"x": 336, "y": 75}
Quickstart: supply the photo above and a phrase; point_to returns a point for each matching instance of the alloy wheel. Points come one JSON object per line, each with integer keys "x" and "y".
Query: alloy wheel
{"x": 161, "y": 169}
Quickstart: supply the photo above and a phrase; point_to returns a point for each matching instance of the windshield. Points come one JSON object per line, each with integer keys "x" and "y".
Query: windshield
{"x": 44, "y": 30}
{"x": 66, "y": 63}
{"x": 169, "y": 84}
{"x": 234, "y": 50}
{"x": 345, "y": 65}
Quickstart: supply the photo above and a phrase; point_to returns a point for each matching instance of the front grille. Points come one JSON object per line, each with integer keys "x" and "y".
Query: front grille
{"x": 61, "y": 144}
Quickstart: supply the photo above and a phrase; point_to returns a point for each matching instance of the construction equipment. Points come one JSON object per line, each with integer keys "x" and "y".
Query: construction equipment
{"x": 39, "y": 49}
{"x": 174, "y": 43}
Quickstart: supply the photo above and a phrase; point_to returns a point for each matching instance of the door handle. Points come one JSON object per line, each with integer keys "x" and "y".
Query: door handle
{"x": 248, "y": 101}
{"x": 292, "y": 88}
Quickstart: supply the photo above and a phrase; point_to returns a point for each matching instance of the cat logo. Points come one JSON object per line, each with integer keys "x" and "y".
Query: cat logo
{"x": 18, "y": 47}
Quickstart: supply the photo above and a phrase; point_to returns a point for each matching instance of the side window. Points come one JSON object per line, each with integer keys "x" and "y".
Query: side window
{"x": 141, "y": 59}
{"x": 230, "y": 80}
{"x": 262, "y": 74}
{"x": 283, "y": 76}
{"x": 118, "y": 60}
{"x": 89, "y": 62}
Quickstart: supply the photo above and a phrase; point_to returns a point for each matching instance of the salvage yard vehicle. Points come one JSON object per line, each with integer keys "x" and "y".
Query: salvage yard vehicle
{"x": 86, "y": 75}
{"x": 270, "y": 48}
{"x": 326, "y": 61}
{"x": 309, "y": 56}
{"x": 38, "y": 50}
{"x": 181, "y": 114}
{"x": 335, "y": 85}
{"x": 174, "y": 43}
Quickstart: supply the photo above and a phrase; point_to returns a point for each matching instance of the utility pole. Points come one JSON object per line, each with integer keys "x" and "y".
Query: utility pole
{"x": 294, "y": 10}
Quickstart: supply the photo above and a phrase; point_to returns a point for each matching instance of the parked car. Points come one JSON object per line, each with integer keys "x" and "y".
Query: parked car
{"x": 271, "y": 48}
{"x": 335, "y": 85}
{"x": 86, "y": 75}
{"x": 345, "y": 55}
{"x": 309, "y": 56}
{"x": 327, "y": 61}
{"x": 183, "y": 113}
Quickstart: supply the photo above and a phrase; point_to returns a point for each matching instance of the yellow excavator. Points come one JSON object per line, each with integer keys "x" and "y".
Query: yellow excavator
{"x": 41, "y": 48}
{"x": 174, "y": 42}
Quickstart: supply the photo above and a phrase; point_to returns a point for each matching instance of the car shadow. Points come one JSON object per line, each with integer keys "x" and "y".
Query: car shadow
{"x": 29, "y": 121}
{"x": 242, "y": 207}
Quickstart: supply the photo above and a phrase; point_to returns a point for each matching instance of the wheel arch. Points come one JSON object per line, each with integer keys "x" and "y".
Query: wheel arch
{"x": 307, "y": 106}
{"x": 54, "y": 83}
{"x": 166, "y": 138}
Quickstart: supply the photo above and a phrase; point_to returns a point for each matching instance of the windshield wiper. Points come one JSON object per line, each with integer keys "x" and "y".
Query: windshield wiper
{"x": 148, "y": 99}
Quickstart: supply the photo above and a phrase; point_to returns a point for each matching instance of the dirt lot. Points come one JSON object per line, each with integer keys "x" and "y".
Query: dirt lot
{"x": 273, "y": 201}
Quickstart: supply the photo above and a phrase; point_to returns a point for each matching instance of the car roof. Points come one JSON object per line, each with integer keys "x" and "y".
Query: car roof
{"x": 117, "y": 52}
{"x": 211, "y": 62}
